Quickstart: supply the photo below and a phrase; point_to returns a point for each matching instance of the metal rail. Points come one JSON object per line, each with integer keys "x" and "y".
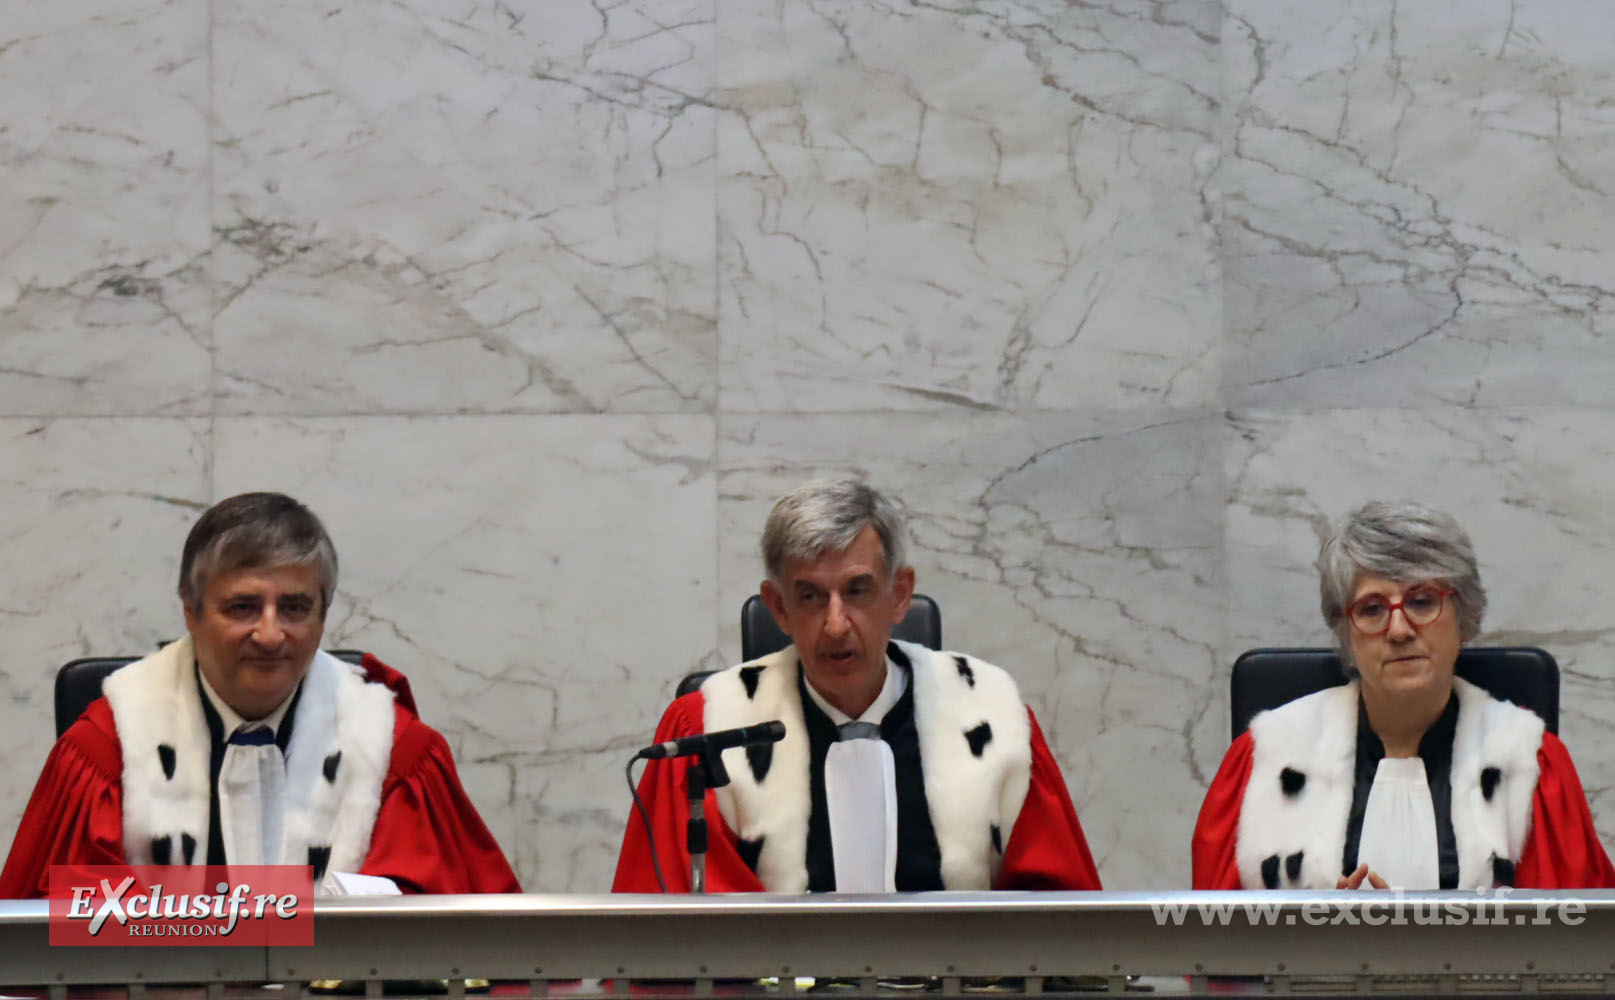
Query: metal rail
{"x": 1426, "y": 943}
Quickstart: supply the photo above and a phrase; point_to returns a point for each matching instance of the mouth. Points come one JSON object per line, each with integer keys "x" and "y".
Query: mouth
{"x": 844, "y": 656}
{"x": 1407, "y": 659}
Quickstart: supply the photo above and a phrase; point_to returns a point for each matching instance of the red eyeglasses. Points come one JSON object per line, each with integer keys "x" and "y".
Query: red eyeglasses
{"x": 1421, "y": 605}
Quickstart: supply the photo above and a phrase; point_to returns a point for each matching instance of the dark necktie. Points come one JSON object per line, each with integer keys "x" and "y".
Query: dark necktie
{"x": 262, "y": 736}
{"x": 858, "y": 731}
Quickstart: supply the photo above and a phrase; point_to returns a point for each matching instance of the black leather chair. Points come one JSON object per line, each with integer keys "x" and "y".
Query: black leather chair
{"x": 1268, "y": 678}
{"x": 759, "y": 635}
{"x": 78, "y": 683}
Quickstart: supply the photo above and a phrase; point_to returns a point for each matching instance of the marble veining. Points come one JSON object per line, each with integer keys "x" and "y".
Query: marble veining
{"x": 1418, "y": 205}
{"x": 479, "y": 212}
{"x": 103, "y": 209}
{"x": 966, "y": 206}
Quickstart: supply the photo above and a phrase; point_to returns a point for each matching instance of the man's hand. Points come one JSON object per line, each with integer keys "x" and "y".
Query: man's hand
{"x": 1355, "y": 879}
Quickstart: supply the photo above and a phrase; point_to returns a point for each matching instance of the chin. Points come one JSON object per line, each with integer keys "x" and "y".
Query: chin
{"x": 1420, "y": 674}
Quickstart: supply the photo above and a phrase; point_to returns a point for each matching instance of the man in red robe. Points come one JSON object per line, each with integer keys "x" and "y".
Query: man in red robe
{"x": 901, "y": 768}
{"x": 243, "y": 743}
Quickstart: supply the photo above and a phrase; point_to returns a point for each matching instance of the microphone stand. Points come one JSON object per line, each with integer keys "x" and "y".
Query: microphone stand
{"x": 707, "y": 771}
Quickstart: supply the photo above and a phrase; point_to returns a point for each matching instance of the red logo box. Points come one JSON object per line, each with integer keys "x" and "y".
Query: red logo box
{"x": 234, "y": 905}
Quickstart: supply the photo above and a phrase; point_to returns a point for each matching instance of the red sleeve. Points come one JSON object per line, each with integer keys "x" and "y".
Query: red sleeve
{"x": 1562, "y": 850}
{"x": 75, "y": 815}
{"x": 1046, "y": 849}
{"x": 661, "y": 788}
{"x": 1215, "y": 864}
{"x": 428, "y": 836}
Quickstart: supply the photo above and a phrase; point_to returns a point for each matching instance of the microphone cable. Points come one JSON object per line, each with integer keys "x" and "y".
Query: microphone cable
{"x": 650, "y": 832}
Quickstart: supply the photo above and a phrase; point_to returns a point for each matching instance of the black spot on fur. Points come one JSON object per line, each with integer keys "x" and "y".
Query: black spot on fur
{"x": 331, "y": 764}
{"x": 760, "y": 756}
{"x": 1292, "y": 781}
{"x": 1488, "y": 781}
{"x": 998, "y": 839}
{"x": 162, "y": 849}
{"x": 748, "y": 677}
{"x": 1292, "y": 866}
{"x": 979, "y": 737}
{"x": 187, "y": 847}
{"x": 965, "y": 671}
{"x": 750, "y": 851}
{"x": 1270, "y": 871}
{"x": 165, "y": 756}
{"x": 1502, "y": 871}
{"x": 319, "y": 857}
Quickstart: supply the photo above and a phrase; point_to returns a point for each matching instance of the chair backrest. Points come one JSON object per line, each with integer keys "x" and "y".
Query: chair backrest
{"x": 759, "y": 635}
{"x": 78, "y": 682}
{"x": 1268, "y": 678}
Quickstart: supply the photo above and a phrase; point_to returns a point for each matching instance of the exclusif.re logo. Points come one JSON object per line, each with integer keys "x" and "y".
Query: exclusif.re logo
{"x": 206, "y": 905}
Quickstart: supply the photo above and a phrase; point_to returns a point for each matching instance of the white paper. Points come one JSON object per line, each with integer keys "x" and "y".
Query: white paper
{"x": 354, "y": 884}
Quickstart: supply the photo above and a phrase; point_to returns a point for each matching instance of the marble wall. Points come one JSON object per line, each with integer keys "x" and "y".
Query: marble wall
{"x": 540, "y": 304}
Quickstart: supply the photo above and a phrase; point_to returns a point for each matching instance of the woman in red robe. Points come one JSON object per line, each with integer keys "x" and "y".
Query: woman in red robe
{"x": 1406, "y": 776}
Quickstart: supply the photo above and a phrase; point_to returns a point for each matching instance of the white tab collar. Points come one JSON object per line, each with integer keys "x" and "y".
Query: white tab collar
{"x": 890, "y": 693}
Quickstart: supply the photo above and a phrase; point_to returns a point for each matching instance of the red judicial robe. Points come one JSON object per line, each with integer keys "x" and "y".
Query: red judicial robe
{"x": 427, "y": 837}
{"x": 1561, "y": 848}
{"x": 1044, "y": 847}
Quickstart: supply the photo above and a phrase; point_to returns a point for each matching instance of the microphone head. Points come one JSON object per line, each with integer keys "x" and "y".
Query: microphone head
{"x": 773, "y": 731}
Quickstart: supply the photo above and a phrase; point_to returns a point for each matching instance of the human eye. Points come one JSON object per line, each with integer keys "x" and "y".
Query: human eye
{"x": 1372, "y": 609}
{"x": 1422, "y": 600}
{"x": 807, "y": 595}
{"x": 241, "y": 608}
{"x": 296, "y": 609}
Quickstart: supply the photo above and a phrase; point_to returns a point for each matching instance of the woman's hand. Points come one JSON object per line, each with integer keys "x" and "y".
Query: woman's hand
{"x": 1355, "y": 879}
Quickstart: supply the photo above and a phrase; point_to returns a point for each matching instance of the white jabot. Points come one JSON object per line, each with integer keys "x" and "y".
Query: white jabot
{"x": 1399, "y": 827}
{"x": 860, "y": 791}
{"x": 252, "y": 786}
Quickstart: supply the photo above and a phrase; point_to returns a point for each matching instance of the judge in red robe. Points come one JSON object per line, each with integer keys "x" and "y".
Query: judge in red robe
{"x": 901, "y": 768}
{"x": 242, "y": 743}
{"x": 1406, "y": 776}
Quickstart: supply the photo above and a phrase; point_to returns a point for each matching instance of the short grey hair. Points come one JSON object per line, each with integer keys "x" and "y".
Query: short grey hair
{"x": 828, "y": 516}
{"x": 255, "y": 531}
{"x": 1402, "y": 542}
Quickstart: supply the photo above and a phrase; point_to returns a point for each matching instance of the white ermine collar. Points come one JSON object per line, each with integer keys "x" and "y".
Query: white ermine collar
{"x": 338, "y": 755}
{"x": 1292, "y": 825}
{"x": 975, "y": 752}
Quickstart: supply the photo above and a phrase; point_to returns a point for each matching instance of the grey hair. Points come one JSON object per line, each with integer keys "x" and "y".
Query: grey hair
{"x": 255, "y": 531}
{"x": 1404, "y": 543}
{"x": 827, "y": 516}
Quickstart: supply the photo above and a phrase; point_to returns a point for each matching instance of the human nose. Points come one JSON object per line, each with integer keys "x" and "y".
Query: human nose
{"x": 836, "y": 622}
{"x": 1398, "y": 626}
{"x": 268, "y": 632}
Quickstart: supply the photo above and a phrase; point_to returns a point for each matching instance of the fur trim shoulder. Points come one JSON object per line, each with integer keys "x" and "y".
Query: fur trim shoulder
{"x": 157, "y": 710}
{"x": 335, "y": 763}
{"x": 976, "y": 754}
{"x": 768, "y": 798}
{"x": 1292, "y": 826}
{"x": 1494, "y": 777}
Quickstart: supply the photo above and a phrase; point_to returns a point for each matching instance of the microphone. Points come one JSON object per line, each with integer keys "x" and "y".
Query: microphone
{"x": 723, "y": 739}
